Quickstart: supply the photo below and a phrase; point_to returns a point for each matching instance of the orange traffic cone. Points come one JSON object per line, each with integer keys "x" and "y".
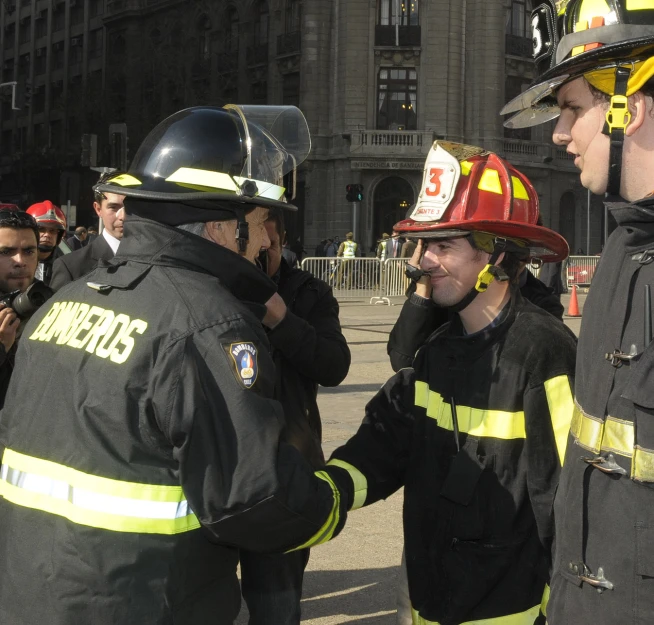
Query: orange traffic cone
{"x": 573, "y": 308}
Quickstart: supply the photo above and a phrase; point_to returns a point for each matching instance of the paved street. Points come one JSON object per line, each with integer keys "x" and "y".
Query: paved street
{"x": 353, "y": 579}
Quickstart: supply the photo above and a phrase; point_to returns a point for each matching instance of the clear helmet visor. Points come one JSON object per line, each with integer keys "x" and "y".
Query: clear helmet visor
{"x": 276, "y": 141}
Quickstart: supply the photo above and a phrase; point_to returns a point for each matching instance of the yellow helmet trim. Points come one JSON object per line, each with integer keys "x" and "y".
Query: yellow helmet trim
{"x": 466, "y": 167}
{"x": 519, "y": 190}
{"x": 604, "y": 79}
{"x": 640, "y": 5}
{"x": 490, "y": 181}
{"x": 206, "y": 180}
{"x": 125, "y": 180}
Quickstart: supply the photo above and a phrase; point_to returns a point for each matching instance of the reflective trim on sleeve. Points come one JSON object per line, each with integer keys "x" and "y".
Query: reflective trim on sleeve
{"x": 562, "y": 405}
{"x": 358, "y": 479}
{"x": 474, "y": 421}
{"x": 545, "y": 600}
{"x": 615, "y": 436}
{"x": 94, "y": 501}
{"x": 326, "y": 532}
{"x": 523, "y": 618}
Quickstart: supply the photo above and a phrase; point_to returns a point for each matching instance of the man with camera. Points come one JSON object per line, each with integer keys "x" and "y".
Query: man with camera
{"x": 19, "y": 239}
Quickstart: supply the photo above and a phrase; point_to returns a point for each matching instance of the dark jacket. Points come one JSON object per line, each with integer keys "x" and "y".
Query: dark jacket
{"x": 550, "y": 276}
{"x": 141, "y": 411}
{"x": 45, "y": 267}
{"x": 478, "y": 524}
{"x": 420, "y": 317}
{"x": 605, "y": 504}
{"x": 74, "y": 243}
{"x": 77, "y": 264}
{"x": 309, "y": 349}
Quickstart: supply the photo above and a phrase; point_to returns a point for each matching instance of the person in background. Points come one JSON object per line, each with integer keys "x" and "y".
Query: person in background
{"x": 52, "y": 227}
{"x": 394, "y": 245}
{"x": 110, "y": 207}
{"x": 308, "y": 349}
{"x": 382, "y": 247}
{"x": 92, "y": 232}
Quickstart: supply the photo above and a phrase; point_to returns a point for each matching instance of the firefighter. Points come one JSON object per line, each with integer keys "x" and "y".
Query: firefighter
{"x": 595, "y": 62}
{"x": 477, "y": 432}
{"x": 140, "y": 444}
{"x": 52, "y": 227}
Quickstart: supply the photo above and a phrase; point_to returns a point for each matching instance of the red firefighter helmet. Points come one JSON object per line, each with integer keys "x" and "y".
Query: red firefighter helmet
{"x": 47, "y": 215}
{"x": 466, "y": 189}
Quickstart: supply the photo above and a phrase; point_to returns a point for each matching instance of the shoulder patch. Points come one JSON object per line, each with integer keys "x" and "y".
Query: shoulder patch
{"x": 244, "y": 356}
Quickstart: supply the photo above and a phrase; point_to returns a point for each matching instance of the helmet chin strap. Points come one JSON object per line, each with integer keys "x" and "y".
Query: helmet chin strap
{"x": 242, "y": 231}
{"x": 486, "y": 276}
{"x": 617, "y": 120}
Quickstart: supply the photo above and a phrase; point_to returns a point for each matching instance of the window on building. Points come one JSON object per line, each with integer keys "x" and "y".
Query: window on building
{"x": 261, "y": 21}
{"x": 291, "y": 89}
{"x": 77, "y": 14}
{"x": 25, "y": 30}
{"x": 59, "y": 17}
{"x": 41, "y": 26}
{"x": 75, "y": 51}
{"x": 38, "y": 103}
{"x": 293, "y": 15}
{"x": 10, "y": 36}
{"x": 58, "y": 55}
{"x": 55, "y": 133}
{"x": 40, "y": 60}
{"x": 518, "y": 18}
{"x": 39, "y": 134}
{"x": 401, "y": 12}
{"x": 231, "y": 39}
{"x": 204, "y": 39}
{"x": 96, "y": 7}
{"x": 397, "y": 98}
{"x": 513, "y": 87}
{"x": 96, "y": 43}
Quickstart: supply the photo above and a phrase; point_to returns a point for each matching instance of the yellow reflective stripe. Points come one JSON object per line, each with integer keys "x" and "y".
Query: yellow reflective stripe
{"x": 490, "y": 181}
{"x": 523, "y": 618}
{"x": 100, "y": 520}
{"x": 358, "y": 479}
{"x": 125, "y": 180}
{"x": 94, "y": 501}
{"x": 519, "y": 190}
{"x": 615, "y": 436}
{"x": 545, "y": 600}
{"x": 466, "y": 167}
{"x": 421, "y": 394}
{"x": 100, "y": 485}
{"x": 562, "y": 406}
{"x": 640, "y": 5}
{"x": 326, "y": 532}
{"x": 474, "y": 421}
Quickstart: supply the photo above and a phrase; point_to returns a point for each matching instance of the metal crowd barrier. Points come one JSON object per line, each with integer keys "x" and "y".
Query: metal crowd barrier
{"x": 580, "y": 270}
{"x": 395, "y": 281}
{"x": 351, "y": 279}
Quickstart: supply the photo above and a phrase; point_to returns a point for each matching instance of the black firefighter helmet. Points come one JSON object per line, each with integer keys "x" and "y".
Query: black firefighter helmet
{"x": 209, "y": 163}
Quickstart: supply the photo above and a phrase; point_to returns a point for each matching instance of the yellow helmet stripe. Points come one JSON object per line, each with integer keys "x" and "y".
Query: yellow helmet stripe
{"x": 490, "y": 181}
{"x": 519, "y": 189}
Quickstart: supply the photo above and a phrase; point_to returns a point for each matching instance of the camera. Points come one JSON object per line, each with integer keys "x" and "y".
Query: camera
{"x": 27, "y": 302}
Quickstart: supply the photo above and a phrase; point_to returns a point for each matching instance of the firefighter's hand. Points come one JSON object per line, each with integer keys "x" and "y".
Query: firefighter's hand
{"x": 8, "y": 327}
{"x": 423, "y": 286}
{"x": 276, "y": 311}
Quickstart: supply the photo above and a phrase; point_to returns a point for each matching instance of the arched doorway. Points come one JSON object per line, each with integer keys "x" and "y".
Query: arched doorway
{"x": 393, "y": 197}
{"x": 568, "y": 219}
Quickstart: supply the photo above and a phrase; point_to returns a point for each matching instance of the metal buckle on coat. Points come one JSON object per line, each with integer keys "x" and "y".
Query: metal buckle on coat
{"x": 644, "y": 258}
{"x": 606, "y": 464}
{"x": 617, "y": 358}
{"x": 585, "y": 575}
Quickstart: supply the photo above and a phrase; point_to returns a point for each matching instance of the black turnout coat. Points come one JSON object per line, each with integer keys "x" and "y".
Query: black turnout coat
{"x": 605, "y": 504}
{"x": 140, "y": 444}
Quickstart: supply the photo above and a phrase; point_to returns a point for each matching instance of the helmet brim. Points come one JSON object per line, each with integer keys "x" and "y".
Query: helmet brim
{"x": 224, "y": 198}
{"x": 542, "y": 243}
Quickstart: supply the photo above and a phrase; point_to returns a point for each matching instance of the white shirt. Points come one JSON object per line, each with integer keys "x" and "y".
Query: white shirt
{"x": 113, "y": 241}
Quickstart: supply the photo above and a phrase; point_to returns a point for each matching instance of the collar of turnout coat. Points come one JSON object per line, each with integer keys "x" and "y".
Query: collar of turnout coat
{"x": 150, "y": 243}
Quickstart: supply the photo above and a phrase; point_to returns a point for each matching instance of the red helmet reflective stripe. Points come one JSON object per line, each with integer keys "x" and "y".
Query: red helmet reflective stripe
{"x": 47, "y": 214}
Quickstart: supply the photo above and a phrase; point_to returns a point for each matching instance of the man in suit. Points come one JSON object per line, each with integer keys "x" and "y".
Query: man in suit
{"x": 110, "y": 207}
{"x": 394, "y": 245}
{"x": 76, "y": 242}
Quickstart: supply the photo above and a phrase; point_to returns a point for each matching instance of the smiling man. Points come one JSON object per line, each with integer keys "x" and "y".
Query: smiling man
{"x": 595, "y": 61}
{"x": 476, "y": 432}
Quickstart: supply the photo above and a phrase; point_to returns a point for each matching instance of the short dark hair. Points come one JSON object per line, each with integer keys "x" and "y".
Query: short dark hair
{"x": 278, "y": 219}
{"x": 19, "y": 220}
{"x": 98, "y": 196}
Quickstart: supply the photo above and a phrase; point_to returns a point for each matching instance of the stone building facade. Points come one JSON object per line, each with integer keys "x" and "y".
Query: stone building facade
{"x": 378, "y": 81}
